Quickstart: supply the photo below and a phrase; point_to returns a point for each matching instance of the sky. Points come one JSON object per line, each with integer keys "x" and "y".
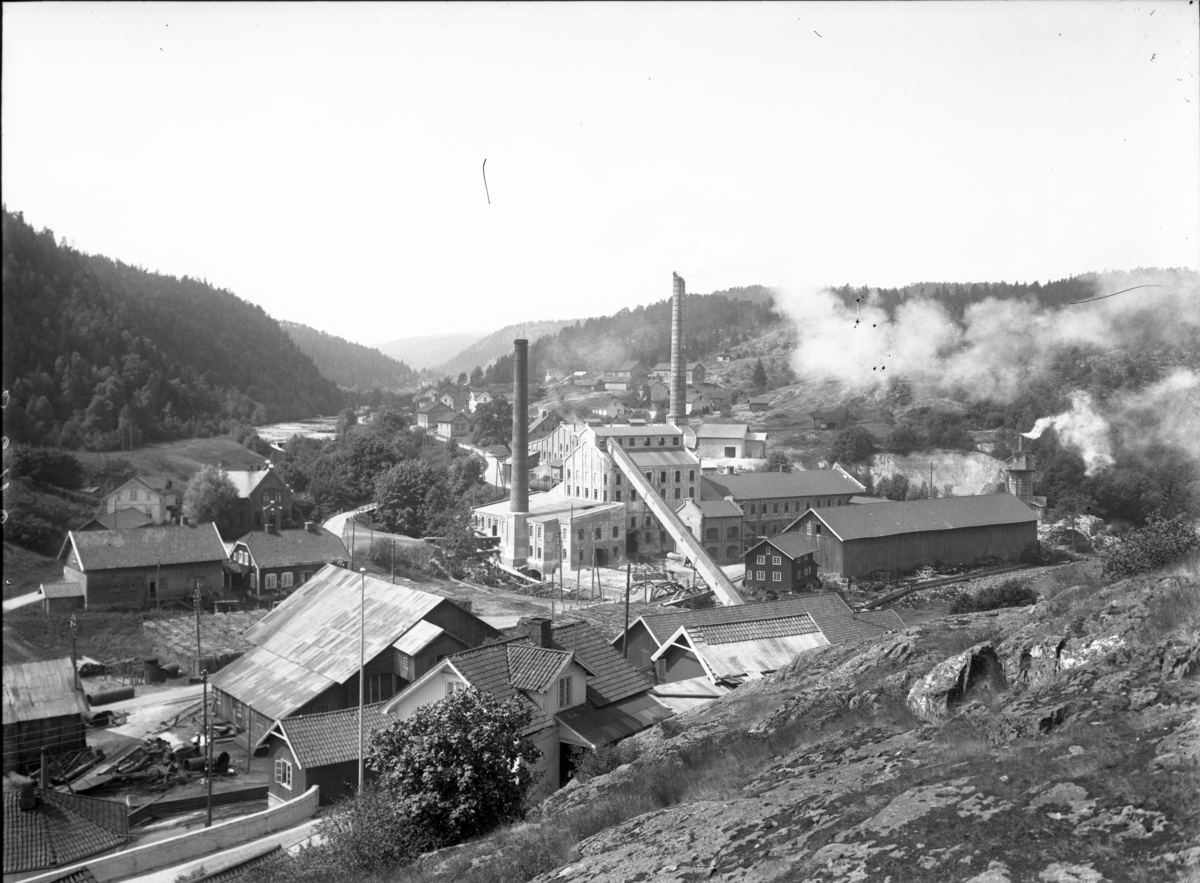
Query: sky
{"x": 326, "y": 161}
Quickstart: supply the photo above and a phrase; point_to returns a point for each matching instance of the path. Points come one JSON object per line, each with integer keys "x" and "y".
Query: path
{"x": 337, "y": 523}
{"x": 22, "y": 601}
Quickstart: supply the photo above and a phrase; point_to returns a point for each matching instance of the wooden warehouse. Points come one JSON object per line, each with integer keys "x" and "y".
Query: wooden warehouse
{"x": 857, "y": 540}
{"x": 44, "y": 708}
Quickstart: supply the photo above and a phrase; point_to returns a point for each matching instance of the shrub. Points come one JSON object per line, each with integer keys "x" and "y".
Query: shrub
{"x": 604, "y": 759}
{"x": 1163, "y": 541}
{"x": 1011, "y": 593}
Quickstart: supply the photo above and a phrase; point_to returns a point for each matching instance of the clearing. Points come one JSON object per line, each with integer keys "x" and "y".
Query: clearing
{"x": 183, "y": 458}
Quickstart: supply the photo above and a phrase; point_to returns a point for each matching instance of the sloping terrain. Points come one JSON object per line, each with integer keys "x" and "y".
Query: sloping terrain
{"x": 350, "y": 365}
{"x": 1054, "y": 743}
{"x": 427, "y": 350}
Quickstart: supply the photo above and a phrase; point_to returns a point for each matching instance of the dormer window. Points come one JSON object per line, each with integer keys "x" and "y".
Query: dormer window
{"x": 564, "y": 692}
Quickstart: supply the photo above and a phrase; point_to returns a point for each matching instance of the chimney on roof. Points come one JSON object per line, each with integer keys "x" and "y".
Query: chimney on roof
{"x": 677, "y": 413}
{"x": 538, "y": 629}
{"x": 28, "y": 801}
{"x": 519, "y": 501}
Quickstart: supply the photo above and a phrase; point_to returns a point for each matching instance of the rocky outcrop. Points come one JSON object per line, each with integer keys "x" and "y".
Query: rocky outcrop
{"x": 1053, "y": 743}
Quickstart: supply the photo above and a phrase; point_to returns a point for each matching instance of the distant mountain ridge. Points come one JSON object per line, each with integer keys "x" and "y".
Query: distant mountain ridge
{"x": 350, "y": 365}
{"x": 499, "y": 343}
{"x": 427, "y": 351}
{"x": 96, "y": 351}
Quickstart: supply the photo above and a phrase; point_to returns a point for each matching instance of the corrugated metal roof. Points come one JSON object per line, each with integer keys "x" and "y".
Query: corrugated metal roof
{"x": 753, "y": 630}
{"x": 273, "y": 685}
{"x": 38, "y": 690}
{"x": 721, "y": 430}
{"x": 600, "y": 726}
{"x": 614, "y": 677}
{"x": 418, "y": 638}
{"x": 718, "y": 508}
{"x": 916, "y": 516}
{"x": 63, "y": 829}
{"x": 62, "y": 590}
{"x": 294, "y": 547}
{"x": 649, "y": 458}
{"x": 165, "y": 544}
{"x": 769, "y": 485}
{"x": 322, "y": 739}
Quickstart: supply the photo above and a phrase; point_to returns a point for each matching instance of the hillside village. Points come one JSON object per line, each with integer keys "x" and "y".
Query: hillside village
{"x": 745, "y": 560}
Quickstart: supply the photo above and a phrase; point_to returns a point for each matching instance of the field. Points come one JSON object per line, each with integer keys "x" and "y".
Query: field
{"x": 181, "y": 459}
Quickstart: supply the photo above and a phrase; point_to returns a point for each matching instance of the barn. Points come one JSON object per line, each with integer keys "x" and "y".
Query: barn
{"x": 857, "y": 540}
{"x": 44, "y": 708}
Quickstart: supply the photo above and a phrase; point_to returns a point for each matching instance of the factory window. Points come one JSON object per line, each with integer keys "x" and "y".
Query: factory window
{"x": 568, "y": 475}
{"x": 618, "y": 496}
{"x": 785, "y": 508}
{"x": 650, "y": 477}
{"x": 581, "y": 533}
{"x": 616, "y": 553}
{"x": 662, "y": 492}
{"x": 646, "y": 443}
{"x": 539, "y": 535}
{"x": 731, "y": 534}
{"x": 577, "y": 491}
{"x": 633, "y": 523}
{"x": 675, "y": 441}
{"x": 616, "y": 532}
{"x": 677, "y": 474}
{"x": 777, "y": 577}
{"x": 606, "y": 478}
{"x": 633, "y": 496}
{"x": 691, "y": 475}
{"x": 662, "y": 442}
{"x": 678, "y": 493}
{"x": 647, "y": 521}
{"x": 776, "y": 560}
{"x": 598, "y": 533}
{"x": 775, "y": 508}
{"x": 712, "y": 533}
{"x": 752, "y": 509}
{"x": 662, "y": 537}
{"x": 662, "y": 476}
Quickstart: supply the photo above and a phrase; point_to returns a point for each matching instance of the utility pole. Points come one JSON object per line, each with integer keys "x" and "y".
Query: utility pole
{"x": 74, "y": 655}
{"x": 362, "y": 619}
{"x": 628, "y": 586}
{"x": 208, "y": 771}
{"x": 199, "y": 657}
{"x": 158, "y": 585}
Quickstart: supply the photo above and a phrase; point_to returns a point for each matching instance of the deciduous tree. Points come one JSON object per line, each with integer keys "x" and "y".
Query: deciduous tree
{"x": 209, "y": 495}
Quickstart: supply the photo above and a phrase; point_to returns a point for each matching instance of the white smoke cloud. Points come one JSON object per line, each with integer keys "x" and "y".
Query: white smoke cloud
{"x": 1083, "y": 429}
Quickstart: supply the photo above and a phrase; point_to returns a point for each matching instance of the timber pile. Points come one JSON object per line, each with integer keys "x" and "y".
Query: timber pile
{"x": 220, "y": 639}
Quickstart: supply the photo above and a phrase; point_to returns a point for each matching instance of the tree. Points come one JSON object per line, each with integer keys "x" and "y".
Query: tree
{"x": 400, "y": 495}
{"x": 852, "y": 445}
{"x": 894, "y": 487}
{"x": 209, "y": 496}
{"x": 778, "y": 461}
{"x": 462, "y": 378}
{"x": 759, "y": 378}
{"x": 346, "y": 419}
{"x": 458, "y": 767}
{"x": 1162, "y": 541}
{"x": 493, "y": 423}
{"x": 904, "y": 439}
{"x": 477, "y": 376}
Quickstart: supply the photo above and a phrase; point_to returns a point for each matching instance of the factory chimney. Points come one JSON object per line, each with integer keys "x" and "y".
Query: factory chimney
{"x": 519, "y": 501}
{"x": 677, "y": 413}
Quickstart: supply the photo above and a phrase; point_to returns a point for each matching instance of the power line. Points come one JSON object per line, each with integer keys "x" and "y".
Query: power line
{"x": 1115, "y": 293}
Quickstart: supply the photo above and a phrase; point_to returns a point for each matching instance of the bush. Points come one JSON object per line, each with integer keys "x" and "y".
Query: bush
{"x": 604, "y": 759}
{"x": 1163, "y": 541}
{"x": 894, "y": 487}
{"x": 853, "y": 445}
{"x": 1011, "y": 593}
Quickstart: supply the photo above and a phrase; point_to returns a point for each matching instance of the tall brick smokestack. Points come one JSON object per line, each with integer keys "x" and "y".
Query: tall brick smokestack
{"x": 519, "y": 502}
{"x": 677, "y": 413}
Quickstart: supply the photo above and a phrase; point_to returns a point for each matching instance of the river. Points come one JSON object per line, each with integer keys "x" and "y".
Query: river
{"x": 316, "y": 427}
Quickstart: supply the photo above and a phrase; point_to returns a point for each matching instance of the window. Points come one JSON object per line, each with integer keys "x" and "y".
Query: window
{"x": 287, "y": 580}
{"x": 283, "y": 773}
{"x": 618, "y": 496}
{"x": 731, "y": 533}
{"x": 785, "y": 508}
{"x": 677, "y": 474}
{"x": 775, "y": 508}
{"x": 163, "y": 585}
{"x": 581, "y": 533}
{"x": 632, "y": 496}
{"x": 254, "y": 579}
{"x": 598, "y": 533}
{"x": 618, "y": 479}
{"x": 272, "y": 581}
{"x": 453, "y": 687}
{"x": 662, "y": 476}
{"x": 712, "y": 533}
{"x": 564, "y": 691}
{"x": 650, "y": 477}
{"x": 133, "y": 493}
{"x": 675, "y": 441}
{"x": 379, "y": 687}
{"x": 691, "y": 492}
{"x": 662, "y": 442}
{"x": 691, "y": 475}
{"x": 777, "y": 577}
{"x": 678, "y": 493}
{"x": 616, "y": 532}
{"x": 662, "y": 492}
{"x": 633, "y": 523}
{"x": 647, "y": 522}
{"x": 606, "y": 478}
{"x": 606, "y": 496}
{"x": 762, "y": 559}
{"x": 762, "y": 575}
{"x": 153, "y": 589}
{"x": 752, "y": 509}
{"x": 776, "y": 560}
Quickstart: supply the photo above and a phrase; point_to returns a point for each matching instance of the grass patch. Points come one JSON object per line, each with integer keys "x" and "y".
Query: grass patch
{"x": 100, "y": 635}
{"x": 27, "y": 570}
{"x": 1010, "y": 593}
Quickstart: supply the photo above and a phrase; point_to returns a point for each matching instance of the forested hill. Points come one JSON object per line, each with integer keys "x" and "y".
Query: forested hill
{"x": 483, "y": 352}
{"x": 94, "y": 347}
{"x": 350, "y": 365}
{"x": 714, "y": 322}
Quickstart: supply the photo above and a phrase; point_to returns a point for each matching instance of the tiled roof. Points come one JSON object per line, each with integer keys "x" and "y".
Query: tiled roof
{"x": 62, "y": 590}
{"x": 915, "y": 516}
{"x": 756, "y": 629}
{"x": 81, "y": 874}
{"x": 721, "y": 430}
{"x": 486, "y": 668}
{"x": 533, "y": 668}
{"x": 768, "y": 485}
{"x": 794, "y": 545}
{"x": 165, "y": 544}
{"x": 63, "y": 829}
{"x": 294, "y": 546}
{"x": 322, "y": 739}
{"x": 614, "y": 679}
{"x": 832, "y": 615}
{"x": 38, "y": 690}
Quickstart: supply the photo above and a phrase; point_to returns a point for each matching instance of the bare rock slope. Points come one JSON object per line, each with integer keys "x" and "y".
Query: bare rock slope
{"x": 1053, "y": 743}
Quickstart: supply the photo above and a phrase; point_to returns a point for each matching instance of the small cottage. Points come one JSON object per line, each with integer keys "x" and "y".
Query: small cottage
{"x": 784, "y": 563}
{"x": 318, "y": 749}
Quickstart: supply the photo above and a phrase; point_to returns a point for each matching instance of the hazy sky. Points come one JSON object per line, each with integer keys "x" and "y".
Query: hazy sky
{"x": 324, "y": 161}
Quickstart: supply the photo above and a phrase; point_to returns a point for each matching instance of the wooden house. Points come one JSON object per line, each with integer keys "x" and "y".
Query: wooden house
{"x": 726, "y": 441}
{"x": 318, "y": 749}
{"x": 784, "y": 563}
{"x": 153, "y": 496}
{"x": 146, "y": 565}
{"x": 660, "y": 391}
{"x": 626, "y": 371}
{"x": 429, "y": 414}
{"x": 694, "y": 372}
{"x": 832, "y": 418}
{"x": 281, "y": 560}
{"x": 455, "y": 399}
{"x": 699, "y": 403}
{"x": 44, "y": 708}
{"x": 833, "y": 617}
{"x": 857, "y": 540}
{"x": 759, "y": 403}
{"x": 453, "y": 425}
{"x": 305, "y": 654}
{"x": 728, "y": 652}
{"x": 263, "y": 498}
{"x": 45, "y": 829}
{"x": 62, "y": 597}
{"x": 122, "y": 519}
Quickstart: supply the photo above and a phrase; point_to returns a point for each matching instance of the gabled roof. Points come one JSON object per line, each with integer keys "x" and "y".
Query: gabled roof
{"x": 63, "y": 590}
{"x": 311, "y": 640}
{"x": 165, "y": 544}
{"x": 63, "y": 829}
{"x": 432, "y": 407}
{"x": 767, "y": 485}
{"x": 600, "y": 726}
{"x": 246, "y": 480}
{"x": 156, "y": 485}
{"x": 716, "y": 508}
{"x": 534, "y": 668}
{"x": 697, "y": 395}
{"x": 319, "y": 740}
{"x": 294, "y": 546}
{"x": 730, "y": 650}
{"x": 666, "y": 366}
{"x": 760, "y": 400}
{"x": 38, "y": 690}
{"x": 832, "y": 615}
{"x": 721, "y": 430}
{"x": 647, "y": 458}
{"x": 794, "y": 545}
{"x": 490, "y": 669}
{"x": 614, "y": 679}
{"x": 917, "y": 516}
{"x": 122, "y": 519}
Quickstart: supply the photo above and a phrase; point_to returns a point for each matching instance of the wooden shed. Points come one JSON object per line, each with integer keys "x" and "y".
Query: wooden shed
{"x": 856, "y": 540}
{"x": 44, "y": 707}
{"x": 62, "y": 597}
{"x": 318, "y": 749}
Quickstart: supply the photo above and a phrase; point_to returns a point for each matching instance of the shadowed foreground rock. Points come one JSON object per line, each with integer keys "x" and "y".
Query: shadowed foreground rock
{"x": 1054, "y": 743}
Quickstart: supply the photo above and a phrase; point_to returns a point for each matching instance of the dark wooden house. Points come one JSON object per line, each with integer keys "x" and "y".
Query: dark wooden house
{"x": 306, "y": 652}
{"x": 281, "y": 560}
{"x": 786, "y": 563}
{"x": 318, "y": 749}
{"x": 44, "y": 708}
{"x": 263, "y": 498}
{"x": 143, "y": 566}
{"x": 857, "y": 540}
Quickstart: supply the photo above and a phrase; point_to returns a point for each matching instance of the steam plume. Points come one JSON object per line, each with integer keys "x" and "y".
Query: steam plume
{"x": 1081, "y": 428}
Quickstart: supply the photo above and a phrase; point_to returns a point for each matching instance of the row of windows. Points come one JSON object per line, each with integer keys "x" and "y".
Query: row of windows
{"x": 756, "y": 508}
{"x": 776, "y": 576}
{"x": 714, "y": 533}
{"x": 775, "y": 559}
